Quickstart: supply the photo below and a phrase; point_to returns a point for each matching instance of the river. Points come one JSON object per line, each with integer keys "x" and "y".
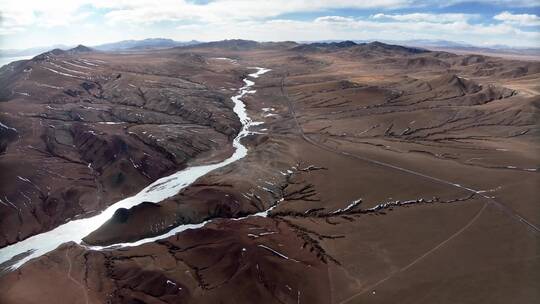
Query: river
{"x": 75, "y": 230}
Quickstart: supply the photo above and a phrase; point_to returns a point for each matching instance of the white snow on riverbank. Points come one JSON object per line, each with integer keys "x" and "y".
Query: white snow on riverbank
{"x": 159, "y": 190}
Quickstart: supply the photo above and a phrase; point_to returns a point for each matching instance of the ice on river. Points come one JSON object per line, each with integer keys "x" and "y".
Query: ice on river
{"x": 159, "y": 190}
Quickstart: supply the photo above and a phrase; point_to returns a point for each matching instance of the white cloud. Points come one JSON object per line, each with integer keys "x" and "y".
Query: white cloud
{"x": 334, "y": 19}
{"x": 425, "y": 17}
{"x": 505, "y": 3}
{"x": 342, "y": 28}
{"x": 260, "y": 20}
{"x": 144, "y": 11}
{"x": 17, "y": 15}
{"x": 519, "y": 19}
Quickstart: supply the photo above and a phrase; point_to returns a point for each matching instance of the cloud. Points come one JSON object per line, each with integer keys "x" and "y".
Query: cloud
{"x": 144, "y": 11}
{"x": 260, "y": 20}
{"x": 18, "y": 15}
{"x": 426, "y": 17}
{"x": 334, "y": 19}
{"x": 502, "y": 3}
{"x": 347, "y": 28}
{"x": 518, "y": 19}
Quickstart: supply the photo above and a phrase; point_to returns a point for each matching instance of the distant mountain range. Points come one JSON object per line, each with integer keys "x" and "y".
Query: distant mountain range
{"x": 150, "y": 43}
{"x": 453, "y": 46}
{"x": 161, "y": 43}
{"x": 124, "y": 45}
{"x": 465, "y": 47}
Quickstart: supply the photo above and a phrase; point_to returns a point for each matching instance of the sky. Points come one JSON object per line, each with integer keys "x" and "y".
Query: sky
{"x": 32, "y": 23}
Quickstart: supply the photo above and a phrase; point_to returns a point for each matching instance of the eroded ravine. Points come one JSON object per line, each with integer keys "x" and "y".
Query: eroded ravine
{"x": 19, "y": 253}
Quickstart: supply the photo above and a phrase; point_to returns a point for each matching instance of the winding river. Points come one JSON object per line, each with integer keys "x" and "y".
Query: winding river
{"x": 75, "y": 230}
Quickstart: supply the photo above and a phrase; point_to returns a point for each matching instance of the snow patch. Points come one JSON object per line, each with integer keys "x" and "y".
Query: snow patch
{"x": 156, "y": 192}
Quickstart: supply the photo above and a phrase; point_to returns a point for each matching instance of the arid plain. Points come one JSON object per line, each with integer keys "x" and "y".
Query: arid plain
{"x": 374, "y": 173}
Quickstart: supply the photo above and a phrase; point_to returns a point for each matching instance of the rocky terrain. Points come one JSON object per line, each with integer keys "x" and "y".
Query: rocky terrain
{"x": 82, "y": 132}
{"x": 376, "y": 174}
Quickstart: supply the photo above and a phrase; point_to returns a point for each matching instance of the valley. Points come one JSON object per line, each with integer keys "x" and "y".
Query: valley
{"x": 270, "y": 172}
